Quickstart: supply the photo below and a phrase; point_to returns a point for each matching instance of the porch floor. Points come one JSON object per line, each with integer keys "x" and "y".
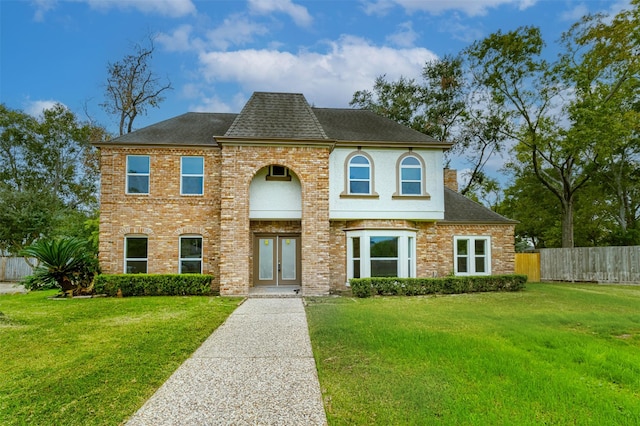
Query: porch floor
{"x": 275, "y": 291}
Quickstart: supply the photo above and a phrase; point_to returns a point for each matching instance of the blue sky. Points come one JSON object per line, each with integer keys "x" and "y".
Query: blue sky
{"x": 216, "y": 53}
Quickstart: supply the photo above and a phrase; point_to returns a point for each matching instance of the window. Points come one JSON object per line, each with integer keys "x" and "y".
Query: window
{"x": 472, "y": 255}
{"x": 380, "y": 253}
{"x": 191, "y": 254}
{"x": 410, "y": 176}
{"x": 278, "y": 173}
{"x": 135, "y": 249}
{"x": 192, "y": 176}
{"x": 137, "y": 174}
{"x": 359, "y": 175}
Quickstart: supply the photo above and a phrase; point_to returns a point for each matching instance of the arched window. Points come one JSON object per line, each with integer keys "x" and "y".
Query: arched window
{"x": 410, "y": 176}
{"x": 359, "y": 175}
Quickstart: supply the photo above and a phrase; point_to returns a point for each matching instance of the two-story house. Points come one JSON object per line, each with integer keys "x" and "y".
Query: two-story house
{"x": 288, "y": 194}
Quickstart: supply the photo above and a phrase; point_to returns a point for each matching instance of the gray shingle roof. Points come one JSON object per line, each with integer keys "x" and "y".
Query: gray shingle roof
{"x": 276, "y": 115}
{"x": 458, "y": 208}
{"x": 285, "y": 116}
{"x": 192, "y": 128}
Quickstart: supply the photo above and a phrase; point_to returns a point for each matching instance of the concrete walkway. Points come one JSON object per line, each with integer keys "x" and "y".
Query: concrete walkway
{"x": 255, "y": 369}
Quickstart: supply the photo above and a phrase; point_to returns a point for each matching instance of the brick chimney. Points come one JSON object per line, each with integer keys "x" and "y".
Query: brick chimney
{"x": 451, "y": 179}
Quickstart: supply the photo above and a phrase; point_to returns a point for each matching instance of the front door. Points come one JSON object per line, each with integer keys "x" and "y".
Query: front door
{"x": 276, "y": 259}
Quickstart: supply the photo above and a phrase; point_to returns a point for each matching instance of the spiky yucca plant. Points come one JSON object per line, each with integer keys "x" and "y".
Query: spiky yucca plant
{"x": 67, "y": 261}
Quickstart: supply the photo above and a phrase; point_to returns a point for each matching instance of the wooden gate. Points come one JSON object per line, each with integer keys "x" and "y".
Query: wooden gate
{"x": 529, "y": 265}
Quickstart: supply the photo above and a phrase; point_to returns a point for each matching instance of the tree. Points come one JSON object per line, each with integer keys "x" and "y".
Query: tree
{"x": 570, "y": 116}
{"x": 445, "y": 107}
{"x": 48, "y": 174}
{"x": 132, "y": 86}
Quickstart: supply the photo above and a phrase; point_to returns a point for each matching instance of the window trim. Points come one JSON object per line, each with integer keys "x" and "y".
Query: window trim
{"x": 135, "y": 259}
{"x": 471, "y": 266}
{"x": 406, "y": 261}
{"x": 424, "y": 195}
{"x": 148, "y": 175}
{"x": 346, "y": 193}
{"x": 180, "y": 258}
{"x": 183, "y": 175}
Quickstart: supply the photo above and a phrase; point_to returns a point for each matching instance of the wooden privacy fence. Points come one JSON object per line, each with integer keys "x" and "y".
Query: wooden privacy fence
{"x": 591, "y": 264}
{"x": 529, "y": 265}
{"x": 14, "y": 268}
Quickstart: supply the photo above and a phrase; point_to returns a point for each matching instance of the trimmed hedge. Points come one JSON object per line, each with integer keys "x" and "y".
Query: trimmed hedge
{"x": 366, "y": 287}
{"x": 153, "y": 284}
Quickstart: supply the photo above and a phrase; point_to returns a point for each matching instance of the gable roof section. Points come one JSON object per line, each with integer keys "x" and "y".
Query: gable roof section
{"x": 192, "y": 128}
{"x": 276, "y": 116}
{"x": 460, "y": 209}
{"x": 360, "y": 126}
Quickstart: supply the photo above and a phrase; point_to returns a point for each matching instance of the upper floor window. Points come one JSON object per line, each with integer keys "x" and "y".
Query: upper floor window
{"x": 359, "y": 175}
{"x": 192, "y": 176}
{"x": 191, "y": 254}
{"x": 410, "y": 176}
{"x": 472, "y": 255}
{"x": 135, "y": 254}
{"x": 137, "y": 174}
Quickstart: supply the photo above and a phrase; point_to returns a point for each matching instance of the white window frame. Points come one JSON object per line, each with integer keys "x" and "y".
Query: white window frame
{"x": 128, "y": 174}
{"x": 190, "y": 259}
{"x": 471, "y": 256}
{"x": 135, "y": 259}
{"x": 369, "y": 166}
{"x": 420, "y": 181}
{"x": 406, "y": 251}
{"x": 184, "y": 175}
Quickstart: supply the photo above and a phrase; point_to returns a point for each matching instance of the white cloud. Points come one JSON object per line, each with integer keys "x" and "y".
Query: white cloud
{"x": 235, "y": 30}
{"x": 405, "y": 36}
{"x": 179, "y": 40}
{"x": 299, "y": 14}
{"x": 170, "y": 8}
{"x": 575, "y": 14}
{"x": 469, "y": 7}
{"x": 36, "y": 108}
{"x": 326, "y": 78}
{"x": 379, "y": 7}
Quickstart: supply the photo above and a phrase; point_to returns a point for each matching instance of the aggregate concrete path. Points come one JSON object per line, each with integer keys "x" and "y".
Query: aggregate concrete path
{"x": 256, "y": 369}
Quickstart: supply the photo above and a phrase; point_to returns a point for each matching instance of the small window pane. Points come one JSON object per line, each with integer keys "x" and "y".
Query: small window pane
{"x": 192, "y": 165}
{"x": 138, "y": 184}
{"x": 359, "y": 159}
{"x": 136, "y": 247}
{"x": 479, "y": 246}
{"x": 137, "y": 164}
{"x": 410, "y": 161}
{"x": 191, "y": 266}
{"x": 411, "y": 174}
{"x": 359, "y": 173}
{"x": 192, "y": 185}
{"x": 480, "y": 264}
{"x": 136, "y": 267}
{"x": 462, "y": 265}
{"x": 356, "y": 269}
{"x": 359, "y": 187}
{"x": 191, "y": 247}
{"x": 462, "y": 247}
{"x": 411, "y": 188}
{"x": 384, "y": 247}
{"x": 356, "y": 247}
{"x": 384, "y": 268}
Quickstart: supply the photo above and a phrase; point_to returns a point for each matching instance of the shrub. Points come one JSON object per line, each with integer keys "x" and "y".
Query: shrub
{"x": 153, "y": 284}
{"x": 365, "y": 287}
{"x": 67, "y": 262}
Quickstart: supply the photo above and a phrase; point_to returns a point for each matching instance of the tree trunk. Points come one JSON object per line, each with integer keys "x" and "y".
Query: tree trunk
{"x": 567, "y": 224}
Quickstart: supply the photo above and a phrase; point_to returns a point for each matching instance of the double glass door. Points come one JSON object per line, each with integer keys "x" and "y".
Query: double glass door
{"x": 276, "y": 259}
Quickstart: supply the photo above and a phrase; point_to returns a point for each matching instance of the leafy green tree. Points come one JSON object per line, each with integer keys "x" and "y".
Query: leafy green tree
{"x": 48, "y": 175}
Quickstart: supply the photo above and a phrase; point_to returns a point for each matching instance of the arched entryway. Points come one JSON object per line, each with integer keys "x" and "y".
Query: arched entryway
{"x": 275, "y": 213}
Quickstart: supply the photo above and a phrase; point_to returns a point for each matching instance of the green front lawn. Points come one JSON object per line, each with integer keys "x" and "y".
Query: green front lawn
{"x": 94, "y": 361}
{"x": 551, "y": 354}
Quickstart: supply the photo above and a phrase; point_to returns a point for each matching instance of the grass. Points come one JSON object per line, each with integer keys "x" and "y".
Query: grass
{"x": 94, "y": 361}
{"x": 552, "y": 354}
